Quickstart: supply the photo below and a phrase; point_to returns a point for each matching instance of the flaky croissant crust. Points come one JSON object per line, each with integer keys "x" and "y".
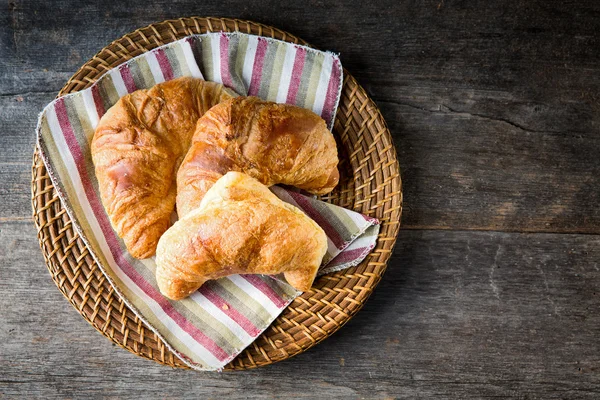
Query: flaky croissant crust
{"x": 274, "y": 143}
{"x": 137, "y": 148}
{"x": 240, "y": 227}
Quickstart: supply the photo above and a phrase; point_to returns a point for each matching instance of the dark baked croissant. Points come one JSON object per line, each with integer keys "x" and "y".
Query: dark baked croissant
{"x": 274, "y": 143}
{"x": 240, "y": 227}
{"x": 137, "y": 148}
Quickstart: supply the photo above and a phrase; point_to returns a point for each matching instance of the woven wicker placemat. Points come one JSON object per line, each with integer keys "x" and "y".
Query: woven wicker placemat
{"x": 369, "y": 183}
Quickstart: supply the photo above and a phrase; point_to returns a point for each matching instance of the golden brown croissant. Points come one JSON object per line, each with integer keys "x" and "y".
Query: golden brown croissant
{"x": 274, "y": 143}
{"x": 137, "y": 148}
{"x": 240, "y": 227}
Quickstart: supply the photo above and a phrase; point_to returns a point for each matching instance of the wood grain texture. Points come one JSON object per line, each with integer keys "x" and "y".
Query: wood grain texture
{"x": 502, "y": 114}
{"x": 494, "y": 287}
{"x": 459, "y": 314}
{"x": 18, "y": 118}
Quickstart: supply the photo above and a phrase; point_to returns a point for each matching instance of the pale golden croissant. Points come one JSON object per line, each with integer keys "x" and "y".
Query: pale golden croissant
{"x": 137, "y": 148}
{"x": 240, "y": 227}
{"x": 274, "y": 143}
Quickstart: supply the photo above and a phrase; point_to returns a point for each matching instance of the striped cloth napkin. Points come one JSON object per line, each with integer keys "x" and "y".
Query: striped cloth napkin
{"x": 211, "y": 327}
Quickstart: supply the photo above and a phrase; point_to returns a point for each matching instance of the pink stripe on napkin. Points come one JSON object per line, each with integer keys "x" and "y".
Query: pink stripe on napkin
{"x": 296, "y": 75}
{"x": 259, "y": 59}
{"x": 165, "y": 65}
{"x": 332, "y": 91}
{"x": 330, "y": 231}
{"x": 230, "y": 311}
{"x": 98, "y": 101}
{"x": 265, "y": 289}
{"x": 128, "y": 79}
{"x": 224, "y": 53}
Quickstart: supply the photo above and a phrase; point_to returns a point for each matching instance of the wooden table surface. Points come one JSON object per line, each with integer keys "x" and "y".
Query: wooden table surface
{"x": 494, "y": 286}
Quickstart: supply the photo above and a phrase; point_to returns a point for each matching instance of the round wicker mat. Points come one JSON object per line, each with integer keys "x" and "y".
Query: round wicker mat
{"x": 370, "y": 183}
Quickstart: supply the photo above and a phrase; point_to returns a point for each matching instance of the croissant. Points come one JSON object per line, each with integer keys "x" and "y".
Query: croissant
{"x": 240, "y": 227}
{"x": 137, "y": 148}
{"x": 274, "y": 143}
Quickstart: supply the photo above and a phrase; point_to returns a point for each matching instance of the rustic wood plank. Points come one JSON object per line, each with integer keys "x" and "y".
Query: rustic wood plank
{"x": 461, "y": 170}
{"x": 505, "y": 45}
{"x": 493, "y": 133}
{"x": 458, "y": 314}
{"x": 468, "y": 170}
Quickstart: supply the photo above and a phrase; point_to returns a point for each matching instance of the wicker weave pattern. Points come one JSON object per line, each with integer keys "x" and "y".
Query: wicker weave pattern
{"x": 370, "y": 183}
